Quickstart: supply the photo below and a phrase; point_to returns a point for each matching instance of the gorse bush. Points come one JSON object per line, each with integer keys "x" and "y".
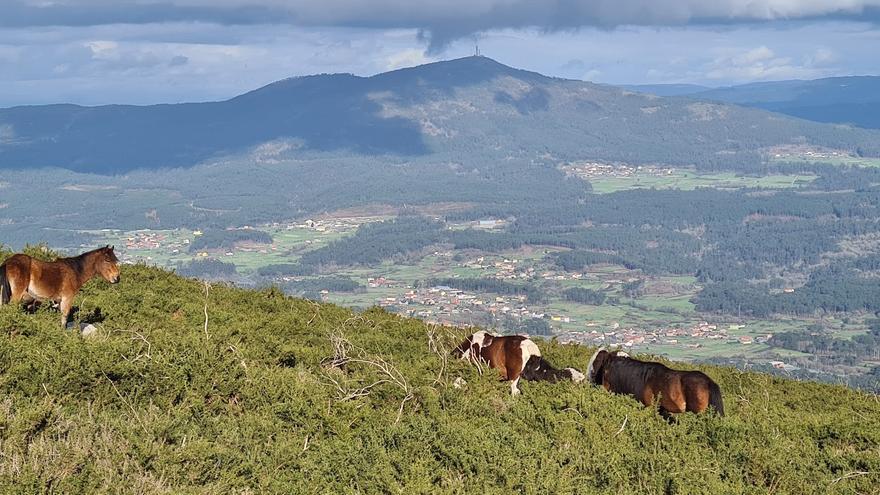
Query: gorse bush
{"x": 272, "y": 394}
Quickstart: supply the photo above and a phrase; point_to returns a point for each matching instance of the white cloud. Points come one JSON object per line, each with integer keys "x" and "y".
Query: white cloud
{"x": 761, "y": 63}
{"x": 406, "y": 58}
{"x": 822, "y": 56}
{"x": 753, "y": 56}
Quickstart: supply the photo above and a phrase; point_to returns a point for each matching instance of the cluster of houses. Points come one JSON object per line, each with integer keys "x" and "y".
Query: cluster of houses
{"x": 685, "y": 337}
{"x": 807, "y": 152}
{"x": 151, "y": 240}
{"x": 450, "y": 305}
{"x": 346, "y": 224}
{"x": 512, "y": 269}
{"x": 588, "y": 170}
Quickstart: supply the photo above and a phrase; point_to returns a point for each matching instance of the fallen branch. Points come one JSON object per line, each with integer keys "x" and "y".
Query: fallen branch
{"x": 345, "y": 353}
{"x": 207, "y": 286}
{"x": 850, "y": 475}
{"x": 625, "y": 419}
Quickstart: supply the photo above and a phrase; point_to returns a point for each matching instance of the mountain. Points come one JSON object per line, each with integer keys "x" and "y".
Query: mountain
{"x": 472, "y": 110}
{"x": 189, "y": 388}
{"x": 845, "y": 100}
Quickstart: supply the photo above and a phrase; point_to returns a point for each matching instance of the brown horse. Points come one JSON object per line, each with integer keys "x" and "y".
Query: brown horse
{"x": 25, "y": 279}
{"x": 516, "y": 356}
{"x": 678, "y": 391}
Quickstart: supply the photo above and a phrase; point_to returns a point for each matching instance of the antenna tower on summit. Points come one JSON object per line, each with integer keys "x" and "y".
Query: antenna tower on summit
{"x": 477, "y": 50}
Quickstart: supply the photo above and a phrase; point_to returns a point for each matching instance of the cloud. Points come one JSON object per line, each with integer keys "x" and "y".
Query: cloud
{"x": 406, "y": 58}
{"x": 439, "y": 21}
{"x": 762, "y": 63}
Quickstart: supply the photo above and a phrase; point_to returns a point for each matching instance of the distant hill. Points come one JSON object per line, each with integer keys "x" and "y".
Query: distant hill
{"x": 846, "y": 100}
{"x": 186, "y": 388}
{"x": 471, "y": 110}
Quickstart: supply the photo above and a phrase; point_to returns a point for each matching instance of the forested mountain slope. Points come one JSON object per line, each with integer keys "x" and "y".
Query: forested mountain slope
{"x": 470, "y": 110}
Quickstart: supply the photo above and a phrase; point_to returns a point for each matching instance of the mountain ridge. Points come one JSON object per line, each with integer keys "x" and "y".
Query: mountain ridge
{"x": 468, "y": 110}
{"x": 843, "y": 99}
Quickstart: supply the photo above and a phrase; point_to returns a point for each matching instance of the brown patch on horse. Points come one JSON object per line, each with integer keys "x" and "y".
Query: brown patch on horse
{"x": 26, "y": 279}
{"x": 508, "y": 354}
{"x": 648, "y": 382}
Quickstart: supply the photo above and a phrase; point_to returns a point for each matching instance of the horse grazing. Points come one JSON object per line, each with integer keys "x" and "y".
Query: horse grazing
{"x": 679, "y": 391}
{"x": 516, "y": 356}
{"x": 25, "y": 279}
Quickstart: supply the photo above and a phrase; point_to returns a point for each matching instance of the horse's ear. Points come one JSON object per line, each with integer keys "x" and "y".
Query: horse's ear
{"x": 112, "y": 248}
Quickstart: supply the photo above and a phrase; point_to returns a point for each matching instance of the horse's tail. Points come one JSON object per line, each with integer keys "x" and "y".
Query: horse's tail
{"x": 715, "y": 398}
{"x": 5, "y": 289}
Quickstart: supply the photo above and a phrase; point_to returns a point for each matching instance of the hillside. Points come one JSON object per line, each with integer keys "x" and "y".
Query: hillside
{"x": 845, "y": 100}
{"x": 471, "y": 111}
{"x": 161, "y": 401}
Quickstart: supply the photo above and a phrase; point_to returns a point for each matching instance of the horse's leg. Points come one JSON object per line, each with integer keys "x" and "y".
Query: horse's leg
{"x": 514, "y": 370}
{"x": 665, "y": 414}
{"x": 66, "y": 304}
{"x": 514, "y": 390}
{"x": 17, "y": 290}
{"x": 31, "y": 304}
{"x": 696, "y": 391}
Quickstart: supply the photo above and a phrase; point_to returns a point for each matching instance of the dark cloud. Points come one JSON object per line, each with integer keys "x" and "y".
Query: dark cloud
{"x": 438, "y": 21}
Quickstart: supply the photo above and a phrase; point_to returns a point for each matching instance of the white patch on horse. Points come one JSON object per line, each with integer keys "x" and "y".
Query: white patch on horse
{"x": 622, "y": 354}
{"x": 590, "y": 371}
{"x": 576, "y": 376}
{"x": 529, "y": 348}
{"x": 514, "y": 390}
{"x": 475, "y": 339}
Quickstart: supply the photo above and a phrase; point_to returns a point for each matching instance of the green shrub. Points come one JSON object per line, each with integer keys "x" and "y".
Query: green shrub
{"x": 161, "y": 402}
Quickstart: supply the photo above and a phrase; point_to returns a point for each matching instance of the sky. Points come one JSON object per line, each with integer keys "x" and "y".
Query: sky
{"x": 166, "y": 51}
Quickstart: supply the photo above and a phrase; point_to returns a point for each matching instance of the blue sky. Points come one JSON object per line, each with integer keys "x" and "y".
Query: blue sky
{"x": 150, "y": 51}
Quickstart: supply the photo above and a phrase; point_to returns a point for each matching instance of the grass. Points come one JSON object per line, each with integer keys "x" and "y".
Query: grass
{"x": 688, "y": 180}
{"x": 834, "y": 160}
{"x": 160, "y": 402}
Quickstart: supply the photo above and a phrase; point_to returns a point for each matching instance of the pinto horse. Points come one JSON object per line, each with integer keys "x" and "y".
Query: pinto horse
{"x": 517, "y": 356}
{"x": 678, "y": 391}
{"x": 25, "y": 279}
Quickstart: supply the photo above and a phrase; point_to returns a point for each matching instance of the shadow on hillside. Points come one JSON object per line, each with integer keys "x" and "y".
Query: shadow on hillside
{"x": 329, "y": 113}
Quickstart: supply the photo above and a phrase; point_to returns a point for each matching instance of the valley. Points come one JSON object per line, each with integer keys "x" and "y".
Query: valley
{"x": 471, "y": 193}
{"x": 648, "y": 313}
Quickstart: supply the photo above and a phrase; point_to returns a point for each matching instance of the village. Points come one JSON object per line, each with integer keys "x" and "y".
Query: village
{"x": 593, "y": 170}
{"x": 449, "y": 306}
{"x": 396, "y": 289}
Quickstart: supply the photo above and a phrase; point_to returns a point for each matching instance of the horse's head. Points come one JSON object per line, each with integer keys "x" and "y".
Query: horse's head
{"x": 107, "y": 264}
{"x": 470, "y": 348}
{"x": 597, "y": 362}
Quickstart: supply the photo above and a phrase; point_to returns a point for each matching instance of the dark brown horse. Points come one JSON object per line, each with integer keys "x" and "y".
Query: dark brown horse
{"x": 678, "y": 391}
{"x": 25, "y": 279}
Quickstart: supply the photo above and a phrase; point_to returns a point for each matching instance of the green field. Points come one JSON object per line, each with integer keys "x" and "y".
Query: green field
{"x": 287, "y": 245}
{"x": 688, "y": 180}
{"x": 854, "y": 161}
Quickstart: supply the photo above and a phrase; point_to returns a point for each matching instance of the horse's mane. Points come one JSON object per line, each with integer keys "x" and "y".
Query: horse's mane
{"x": 78, "y": 263}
